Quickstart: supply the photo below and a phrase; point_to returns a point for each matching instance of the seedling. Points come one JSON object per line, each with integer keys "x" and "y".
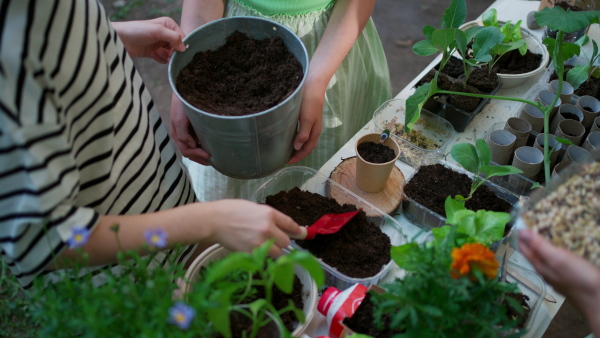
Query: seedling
{"x": 581, "y": 73}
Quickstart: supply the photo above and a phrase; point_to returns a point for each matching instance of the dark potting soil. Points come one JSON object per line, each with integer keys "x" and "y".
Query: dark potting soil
{"x": 484, "y": 80}
{"x": 443, "y": 82}
{"x": 432, "y": 184}
{"x": 590, "y": 87}
{"x": 466, "y": 103}
{"x": 454, "y": 67}
{"x": 241, "y": 327}
{"x": 244, "y": 76}
{"x": 375, "y": 152}
{"x": 362, "y": 321}
{"x": 515, "y": 63}
{"x": 359, "y": 250}
{"x": 513, "y": 313}
{"x": 281, "y": 300}
{"x": 569, "y": 116}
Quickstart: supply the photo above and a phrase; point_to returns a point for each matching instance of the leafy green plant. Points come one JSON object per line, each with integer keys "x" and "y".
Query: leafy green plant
{"x": 445, "y": 292}
{"x": 556, "y": 19}
{"x": 476, "y": 159}
{"x": 513, "y": 37}
{"x": 484, "y": 41}
{"x": 581, "y": 73}
{"x": 234, "y": 280}
{"x": 16, "y": 307}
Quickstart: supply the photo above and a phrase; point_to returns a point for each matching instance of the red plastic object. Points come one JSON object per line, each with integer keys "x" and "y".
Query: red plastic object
{"x": 329, "y": 224}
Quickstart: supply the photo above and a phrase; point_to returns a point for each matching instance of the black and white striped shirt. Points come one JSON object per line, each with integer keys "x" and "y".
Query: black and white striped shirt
{"x": 79, "y": 134}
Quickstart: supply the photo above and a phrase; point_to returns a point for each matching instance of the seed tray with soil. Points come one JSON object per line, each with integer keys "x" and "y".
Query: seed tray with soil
{"x": 427, "y": 141}
{"x": 426, "y": 192}
{"x": 245, "y": 76}
{"x": 567, "y": 212}
{"x": 350, "y": 260}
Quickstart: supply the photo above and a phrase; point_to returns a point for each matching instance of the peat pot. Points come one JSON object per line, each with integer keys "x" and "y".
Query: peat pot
{"x": 250, "y": 146}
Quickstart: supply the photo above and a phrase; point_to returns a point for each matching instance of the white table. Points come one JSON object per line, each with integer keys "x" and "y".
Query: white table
{"x": 496, "y": 111}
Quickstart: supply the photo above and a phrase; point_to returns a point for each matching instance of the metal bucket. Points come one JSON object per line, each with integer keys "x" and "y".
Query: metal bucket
{"x": 251, "y": 146}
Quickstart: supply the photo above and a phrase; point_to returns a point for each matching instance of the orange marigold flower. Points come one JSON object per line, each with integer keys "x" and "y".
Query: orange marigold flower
{"x": 473, "y": 255}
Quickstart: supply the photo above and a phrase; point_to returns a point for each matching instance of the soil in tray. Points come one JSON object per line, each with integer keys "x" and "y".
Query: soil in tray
{"x": 432, "y": 184}
{"x": 359, "y": 250}
{"x": 244, "y": 76}
{"x": 443, "y": 81}
{"x": 454, "y": 67}
{"x": 515, "y": 63}
{"x": 466, "y": 103}
{"x": 483, "y": 80}
{"x": 375, "y": 152}
{"x": 362, "y": 320}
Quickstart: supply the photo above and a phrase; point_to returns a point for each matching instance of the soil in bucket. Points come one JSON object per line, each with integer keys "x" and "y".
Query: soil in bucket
{"x": 375, "y": 152}
{"x": 431, "y": 184}
{"x": 359, "y": 250}
{"x": 243, "y": 77}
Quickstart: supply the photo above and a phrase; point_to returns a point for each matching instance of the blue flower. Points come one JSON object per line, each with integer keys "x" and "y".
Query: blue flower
{"x": 181, "y": 315}
{"x": 156, "y": 238}
{"x": 79, "y": 236}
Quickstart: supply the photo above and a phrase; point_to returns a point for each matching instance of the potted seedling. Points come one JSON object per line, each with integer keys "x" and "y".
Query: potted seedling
{"x": 557, "y": 19}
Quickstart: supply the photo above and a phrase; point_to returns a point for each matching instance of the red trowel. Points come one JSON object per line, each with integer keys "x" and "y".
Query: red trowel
{"x": 326, "y": 225}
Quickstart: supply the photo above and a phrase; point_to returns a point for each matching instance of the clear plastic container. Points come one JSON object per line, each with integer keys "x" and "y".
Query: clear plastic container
{"x": 427, "y": 219}
{"x": 308, "y": 179}
{"x": 430, "y": 125}
{"x": 536, "y": 291}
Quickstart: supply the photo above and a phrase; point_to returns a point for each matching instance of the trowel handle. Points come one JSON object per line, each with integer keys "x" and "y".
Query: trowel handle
{"x": 302, "y": 235}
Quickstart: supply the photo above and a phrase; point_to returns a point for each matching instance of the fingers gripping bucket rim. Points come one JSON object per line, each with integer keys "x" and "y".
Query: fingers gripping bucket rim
{"x": 250, "y": 146}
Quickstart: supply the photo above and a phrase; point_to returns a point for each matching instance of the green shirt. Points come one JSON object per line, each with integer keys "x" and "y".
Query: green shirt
{"x": 287, "y": 7}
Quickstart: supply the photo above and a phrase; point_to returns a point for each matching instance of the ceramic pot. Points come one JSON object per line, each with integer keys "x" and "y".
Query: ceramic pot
{"x": 309, "y": 287}
{"x": 564, "y": 111}
{"x": 533, "y": 115}
{"x": 373, "y": 177}
{"x": 590, "y": 107}
{"x": 571, "y": 130}
{"x": 528, "y": 159}
{"x": 501, "y": 143}
{"x": 520, "y": 128}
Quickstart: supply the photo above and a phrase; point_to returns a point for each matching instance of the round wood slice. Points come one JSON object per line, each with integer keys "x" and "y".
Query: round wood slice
{"x": 387, "y": 200}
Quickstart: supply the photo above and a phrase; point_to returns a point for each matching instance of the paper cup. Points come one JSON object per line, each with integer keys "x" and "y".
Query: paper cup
{"x": 566, "y": 92}
{"x": 592, "y": 142}
{"x": 571, "y": 130}
{"x": 373, "y": 177}
{"x": 501, "y": 144}
{"x": 565, "y": 112}
{"x": 528, "y": 159}
{"x": 532, "y": 115}
{"x": 520, "y": 128}
{"x": 590, "y": 108}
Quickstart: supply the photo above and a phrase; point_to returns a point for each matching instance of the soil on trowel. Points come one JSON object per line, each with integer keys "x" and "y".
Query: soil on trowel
{"x": 375, "y": 152}
{"x": 359, "y": 250}
{"x": 432, "y": 184}
{"x": 243, "y": 77}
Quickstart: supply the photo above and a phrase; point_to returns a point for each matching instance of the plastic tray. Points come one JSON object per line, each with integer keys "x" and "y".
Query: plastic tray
{"x": 535, "y": 297}
{"x": 311, "y": 180}
{"x": 427, "y": 219}
{"x": 430, "y": 125}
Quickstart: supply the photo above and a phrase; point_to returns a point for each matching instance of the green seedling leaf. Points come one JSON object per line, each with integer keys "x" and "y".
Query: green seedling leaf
{"x": 425, "y": 48}
{"x": 500, "y": 170}
{"x": 557, "y": 19}
{"x": 441, "y": 232}
{"x": 427, "y": 31}
{"x": 451, "y": 206}
{"x": 233, "y": 262}
{"x": 472, "y": 31}
{"x": 461, "y": 42}
{"x": 582, "y": 41}
{"x": 535, "y": 185}
{"x": 578, "y": 75}
{"x": 484, "y": 41}
{"x": 483, "y": 152}
{"x": 415, "y": 103}
{"x": 306, "y": 260}
{"x": 490, "y": 18}
{"x": 257, "y": 306}
{"x": 455, "y": 15}
{"x": 283, "y": 275}
{"x": 466, "y": 155}
{"x": 568, "y": 49}
{"x": 401, "y": 255}
{"x": 596, "y": 72}
{"x": 444, "y": 38}
{"x": 489, "y": 225}
{"x": 563, "y": 141}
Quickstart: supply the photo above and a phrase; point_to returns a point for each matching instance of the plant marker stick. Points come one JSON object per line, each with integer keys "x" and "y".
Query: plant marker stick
{"x": 388, "y": 128}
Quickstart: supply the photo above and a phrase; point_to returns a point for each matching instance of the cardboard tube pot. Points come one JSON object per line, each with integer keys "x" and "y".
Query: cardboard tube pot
{"x": 546, "y": 97}
{"x": 590, "y": 107}
{"x": 373, "y": 177}
{"x": 528, "y": 159}
{"x": 532, "y": 115}
{"x": 565, "y": 112}
{"x": 592, "y": 142}
{"x": 520, "y": 128}
{"x": 595, "y": 125}
{"x": 567, "y": 90}
{"x": 559, "y": 168}
{"x": 249, "y": 146}
{"x": 552, "y": 142}
{"x": 501, "y": 143}
{"x": 571, "y": 130}
{"x": 576, "y": 154}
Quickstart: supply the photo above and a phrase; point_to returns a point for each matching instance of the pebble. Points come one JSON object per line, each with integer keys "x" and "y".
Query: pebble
{"x": 531, "y": 22}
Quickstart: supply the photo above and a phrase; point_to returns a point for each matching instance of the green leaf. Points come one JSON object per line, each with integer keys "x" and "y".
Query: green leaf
{"x": 489, "y": 226}
{"x": 563, "y": 141}
{"x": 451, "y": 206}
{"x": 257, "y": 306}
{"x": 472, "y": 31}
{"x": 490, "y": 18}
{"x": 455, "y": 14}
{"x": 444, "y": 38}
{"x": 425, "y": 48}
{"x": 578, "y": 75}
{"x": 582, "y": 41}
{"x": 483, "y": 152}
{"x": 500, "y": 170}
{"x": 401, "y": 255}
{"x": 233, "y": 262}
{"x": 484, "y": 41}
{"x": 427, "y": 31}
{"x": 558, "y": 20}
{"x": 441, "y": 232}
{"x": 466, "y": 155}
{"x": 414, "y": 104}
{"x": 461, "y": 42}
{"x": 535, "y": 185}
{"x": 306, "y": 260}
{"x": 283, "y": 275}
{"x": 431, "y": 310}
